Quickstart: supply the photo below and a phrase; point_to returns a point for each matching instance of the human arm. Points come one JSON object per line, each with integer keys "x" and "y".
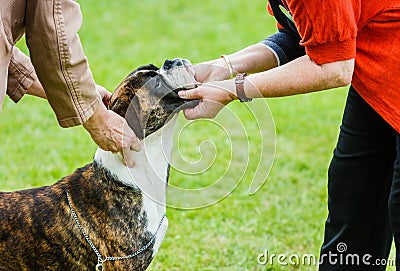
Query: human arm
{"x": 22, "y": 78}
{"x": 275, "y": 50}
{"x": 252, "y": 59}
{"x": 299, "y": 76}
{"x": 62, "y": 68}
{"x": 104, "y": 126}
{"x": 330, "y": 44}
{"x": 57, "y": 55}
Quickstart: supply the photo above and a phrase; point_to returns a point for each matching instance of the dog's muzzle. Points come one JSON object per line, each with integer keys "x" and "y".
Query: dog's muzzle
{"x": 178, "y": 74}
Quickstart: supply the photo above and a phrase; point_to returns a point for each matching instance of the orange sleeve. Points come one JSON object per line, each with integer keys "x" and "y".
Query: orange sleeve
{"x": 328, "y": 28}
{"x": 270, "y": 9}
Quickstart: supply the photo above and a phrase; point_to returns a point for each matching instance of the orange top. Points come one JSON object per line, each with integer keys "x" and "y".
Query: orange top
{"x": 369, "y": 31}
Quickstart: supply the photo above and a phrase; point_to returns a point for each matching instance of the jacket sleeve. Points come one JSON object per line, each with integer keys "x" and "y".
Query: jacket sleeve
{"x": 21, "y": 75}
{"x": 57, "y": 55}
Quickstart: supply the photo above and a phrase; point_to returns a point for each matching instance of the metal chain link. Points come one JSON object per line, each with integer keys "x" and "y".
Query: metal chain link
{"x": 100, "y": 259}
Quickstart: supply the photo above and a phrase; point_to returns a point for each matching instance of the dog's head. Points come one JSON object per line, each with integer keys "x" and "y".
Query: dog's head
{"x": 146, "y": 101}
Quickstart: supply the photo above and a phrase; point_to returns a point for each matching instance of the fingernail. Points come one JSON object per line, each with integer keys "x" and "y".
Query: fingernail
{"x": 129, "y": 163}
{"x": 182, "y": 94}
{"x": 137, "y": 146}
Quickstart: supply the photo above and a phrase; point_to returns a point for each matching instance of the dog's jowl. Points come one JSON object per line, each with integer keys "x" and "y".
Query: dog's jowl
{"x": 103, "y": 216}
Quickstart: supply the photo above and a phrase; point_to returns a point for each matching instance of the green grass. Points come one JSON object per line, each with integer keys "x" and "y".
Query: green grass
{"x": 287, "y": 214}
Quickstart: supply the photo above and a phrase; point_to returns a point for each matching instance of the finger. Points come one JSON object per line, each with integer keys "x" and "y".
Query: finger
{"x": 193, "y": 113}
{"x": 205, "y": 109}
{"x": 106, "y": 98}
{"x": 189, "y": 114}
{"x": 127, "y": 157}
{"x": 136, "y": 145}
{"x": 104, "y": 94}
{"x": 190, "y": 94}
{"x": 130, "y": 140}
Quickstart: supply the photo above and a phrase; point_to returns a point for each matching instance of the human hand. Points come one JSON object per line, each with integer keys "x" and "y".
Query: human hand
{"x": 104, "y": 94}
{"x": 112, "y": 133}
{"x": 213, "y": 97}
{"x": 36, "y": 89}
{"x": 213, "y": 70}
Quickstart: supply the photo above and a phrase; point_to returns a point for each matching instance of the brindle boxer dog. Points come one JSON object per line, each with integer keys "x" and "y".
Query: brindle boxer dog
{"x": 121, "y": 211}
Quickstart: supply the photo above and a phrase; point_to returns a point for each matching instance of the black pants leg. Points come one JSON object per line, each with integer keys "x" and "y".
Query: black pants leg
{"x": 359, "y": 183}
{"x": 394, "y": 204}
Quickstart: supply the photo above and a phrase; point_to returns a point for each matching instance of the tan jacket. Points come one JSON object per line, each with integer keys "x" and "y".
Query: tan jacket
{"x": 56, "y": 53}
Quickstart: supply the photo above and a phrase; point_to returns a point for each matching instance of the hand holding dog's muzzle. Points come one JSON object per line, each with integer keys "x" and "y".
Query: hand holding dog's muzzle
{"x": 213, "y": 97}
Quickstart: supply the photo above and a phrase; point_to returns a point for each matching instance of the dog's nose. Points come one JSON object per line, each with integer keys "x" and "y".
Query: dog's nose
{"x": 177, "y": 62}
{"x": 168, "y": 64}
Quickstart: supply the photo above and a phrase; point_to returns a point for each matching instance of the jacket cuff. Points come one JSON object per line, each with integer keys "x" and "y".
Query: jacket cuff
{"x": 332, "y": 51}
{"x": 17, "y": 89}
{"x": 277, "y": 51}
{"x": 286, "y": 46}
{"x": 20, "y": 78}
{"x": 75, "y": 121}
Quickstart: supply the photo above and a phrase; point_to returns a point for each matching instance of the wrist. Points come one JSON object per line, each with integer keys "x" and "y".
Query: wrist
{"x": 229, "y": 66}
{"x": 232, "y": 89}
{"x": 239, "y": 86}
{"x": 235, "y": 88}
{"x": 225, "y": 69}
{"x": 97, "y": 118}
{"x": 36, "y": 89}
{"x": 228, "y": 86}
{"x": 213, "y": 70}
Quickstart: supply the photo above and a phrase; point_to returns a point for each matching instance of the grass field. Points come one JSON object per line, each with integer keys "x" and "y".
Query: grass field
{"x": 286, "y": 216}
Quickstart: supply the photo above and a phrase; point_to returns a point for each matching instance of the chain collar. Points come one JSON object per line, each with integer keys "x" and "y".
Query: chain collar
{"x": 101, "y": 259}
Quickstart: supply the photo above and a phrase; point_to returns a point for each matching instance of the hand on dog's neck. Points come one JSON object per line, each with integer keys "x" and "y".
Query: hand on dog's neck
{"x": 151, "y": 163}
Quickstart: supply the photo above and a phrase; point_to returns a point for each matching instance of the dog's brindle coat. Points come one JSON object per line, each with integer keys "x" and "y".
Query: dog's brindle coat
{"x": 37, "y": 230}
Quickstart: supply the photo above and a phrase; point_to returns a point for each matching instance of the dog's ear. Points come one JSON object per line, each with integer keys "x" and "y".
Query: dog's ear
{"x": 121, "y": 98}
{"x": 140, "y": 76}
{"x": 126, "y": 90}
{"x": 148, "y": 67}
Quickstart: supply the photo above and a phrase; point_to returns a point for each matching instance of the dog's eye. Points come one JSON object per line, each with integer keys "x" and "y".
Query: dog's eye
{"x": 159, "y": 82}
{"x": 158, "y": 88}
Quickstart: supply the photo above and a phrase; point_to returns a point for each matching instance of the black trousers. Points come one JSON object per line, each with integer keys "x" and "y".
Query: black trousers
{"x": 363, "y": 193}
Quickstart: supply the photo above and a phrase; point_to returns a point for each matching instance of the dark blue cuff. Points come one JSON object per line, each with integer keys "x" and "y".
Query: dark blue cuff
{"x": 285, "y": 45}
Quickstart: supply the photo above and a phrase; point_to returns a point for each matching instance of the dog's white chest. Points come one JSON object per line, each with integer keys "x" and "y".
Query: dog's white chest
{"x": 150, "y": 175}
